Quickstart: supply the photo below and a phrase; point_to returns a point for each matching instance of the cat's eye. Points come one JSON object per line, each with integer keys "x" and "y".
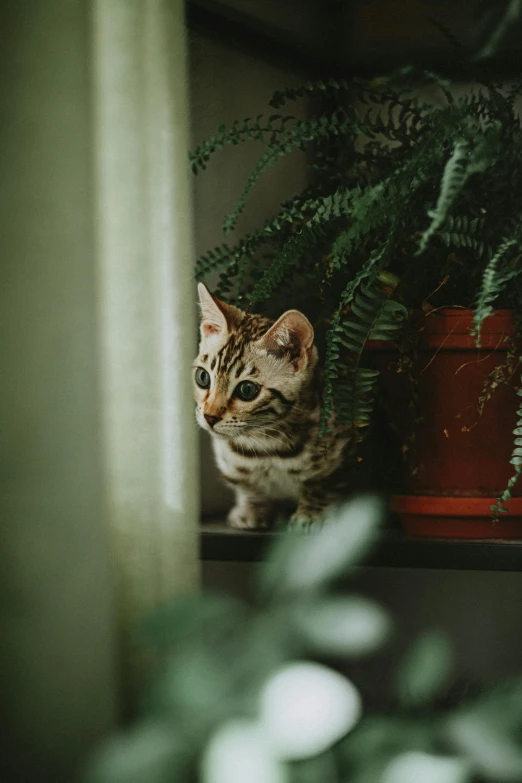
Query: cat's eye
{"x": 202, "y": 378}
{"x": 247, "y": 390}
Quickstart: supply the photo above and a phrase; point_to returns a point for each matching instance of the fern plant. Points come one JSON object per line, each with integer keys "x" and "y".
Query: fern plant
{"x": 424, "y": 191}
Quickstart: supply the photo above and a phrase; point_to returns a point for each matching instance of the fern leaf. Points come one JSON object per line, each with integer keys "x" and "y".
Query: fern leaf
{"x": 309, "y": 89}
{"x": 458, "y": 169}
{"x": 516, "y": 461}
{"x": 263, "y": 130}
{"x": 326, "y": 209}
{"x": 302, "y": 133}
{"x": 493, "y": 283}
{"x": 373, "y": 316}
{"x": 333, "y": 338}
{"x": 214, "y": 259}
{"x": 284, "y": 260}
{"x": 298, "y": 209}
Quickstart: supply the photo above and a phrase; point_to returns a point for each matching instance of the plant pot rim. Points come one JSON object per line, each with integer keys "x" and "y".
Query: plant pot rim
{"x": 441, "y": 505}
{"x": 436, "y": 516}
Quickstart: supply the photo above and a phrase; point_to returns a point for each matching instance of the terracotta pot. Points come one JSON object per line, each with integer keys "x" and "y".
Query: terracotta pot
{"x": 462, "y": 456}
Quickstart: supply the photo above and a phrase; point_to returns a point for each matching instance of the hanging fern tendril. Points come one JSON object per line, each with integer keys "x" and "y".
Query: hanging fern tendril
{"x": 458, "y": 169}
{"x": 349, "y": 388}
{"x": 297, "y": 137}
{"x": 298, "y": 209}
{"x": 494, "y": 281}
{"x": 516, "y": 461}
{"x": 261, "y": 129}
{"x": 326, "y": 209}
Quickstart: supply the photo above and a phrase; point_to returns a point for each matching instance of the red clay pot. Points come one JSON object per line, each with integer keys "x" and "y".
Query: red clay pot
{"x": 462, "y": 456}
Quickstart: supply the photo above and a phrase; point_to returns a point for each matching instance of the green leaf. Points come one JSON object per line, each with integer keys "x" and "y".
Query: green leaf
{"x": 488, "y": 734}
{"x": 151, "y": 752}
{"x": 321, "y": 768}
{"x": 190, "y": 615}
{"x": 420, "y": 767}
{"x": 424, "y": 670}
{"x": 239, "y": 752}
{"x": 341, "y": 626}
{"x": 310, "y": 562}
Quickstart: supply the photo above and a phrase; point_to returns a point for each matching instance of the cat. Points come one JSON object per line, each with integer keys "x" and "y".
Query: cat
{"x": 257, "y": 385}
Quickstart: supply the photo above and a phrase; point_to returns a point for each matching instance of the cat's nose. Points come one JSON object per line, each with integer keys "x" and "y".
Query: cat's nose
{"x": 212, "y": 419}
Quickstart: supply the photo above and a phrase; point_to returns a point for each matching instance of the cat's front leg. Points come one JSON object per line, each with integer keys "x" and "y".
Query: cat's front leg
{"x": 251, "y": 511}
{"x": 311, "y": 506}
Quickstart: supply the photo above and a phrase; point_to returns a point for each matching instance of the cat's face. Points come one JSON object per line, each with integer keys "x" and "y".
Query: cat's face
{"x": 250, "y": 370}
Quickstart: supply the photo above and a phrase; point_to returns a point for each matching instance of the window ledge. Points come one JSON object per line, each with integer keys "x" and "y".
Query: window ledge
{"x": 394, "y": 550}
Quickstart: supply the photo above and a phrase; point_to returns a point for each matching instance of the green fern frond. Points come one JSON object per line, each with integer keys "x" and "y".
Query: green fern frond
{"x": 461, "y": 231}
{"x": 326, "y": 209}
{"x": 283, "y": 261}
{"x": 297, "y": 137}
{"x": 513, "y": 94}
{"x": 448, "y": 34}
{"x": 309, "y": 89}
{"x": 494, "y": 281}
{"x": 411, "y": 79}
{"x": 463, "y": 162}
{"x": 355, "y": 397}
{"x": 248, "y": 130}
{"x": 365, "y": 216}
{"x": 461, "y": 224}
{"x": 516, "y": 461}
{"x": 372, "y": 316}
{"x": 329, "y": 208}
{"x": 443, "y": 84}
{"x": 333, "y": 340}
{"x": 214, "y": 259}
{"x": 295, "y": 210}
{"x": 379, "y": 207}
{"x": 397, "y": 111}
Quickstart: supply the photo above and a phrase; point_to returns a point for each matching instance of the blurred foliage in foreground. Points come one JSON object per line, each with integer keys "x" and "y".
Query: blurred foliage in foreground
{"x": 244, "y": 695}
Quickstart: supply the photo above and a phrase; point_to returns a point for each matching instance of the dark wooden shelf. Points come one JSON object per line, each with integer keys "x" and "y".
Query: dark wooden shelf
{"x": 254, "y": 36}
{"x": 250, "y": 34}
{"x": 394, "y": 550}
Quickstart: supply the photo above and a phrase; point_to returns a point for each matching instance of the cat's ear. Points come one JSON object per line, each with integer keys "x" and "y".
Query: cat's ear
{"x": 291, "y": 338}
{"x": 217, "y": 317}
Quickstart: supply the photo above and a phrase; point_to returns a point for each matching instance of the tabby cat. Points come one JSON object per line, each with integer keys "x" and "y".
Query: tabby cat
{"x": 257, "y": 386}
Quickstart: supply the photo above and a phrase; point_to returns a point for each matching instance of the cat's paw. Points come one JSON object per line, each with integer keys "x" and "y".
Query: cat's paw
{"x": 305, "y": 522}
{"x": 250, "y": 518}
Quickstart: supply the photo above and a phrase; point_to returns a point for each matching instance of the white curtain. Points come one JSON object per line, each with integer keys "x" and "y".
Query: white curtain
{"x": 146, "y": 305}
{"x": 98, "y": 503}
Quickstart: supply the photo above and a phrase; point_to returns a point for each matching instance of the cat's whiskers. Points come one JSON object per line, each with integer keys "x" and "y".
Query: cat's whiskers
{"x": 289, "y": 441}
{"x": 265, "y": 429}
{"x": 272, "y": 437}
{"x": 241, "y": 447}
{"x": 306, "y": 412}
{"x": 259, "y": 444}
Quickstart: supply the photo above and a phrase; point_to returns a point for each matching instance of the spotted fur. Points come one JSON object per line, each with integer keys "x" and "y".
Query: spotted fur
{"x": 268, "y": 449}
